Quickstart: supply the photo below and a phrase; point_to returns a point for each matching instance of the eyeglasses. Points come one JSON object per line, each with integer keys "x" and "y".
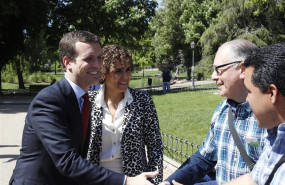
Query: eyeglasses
{"x": 218, "y": 70}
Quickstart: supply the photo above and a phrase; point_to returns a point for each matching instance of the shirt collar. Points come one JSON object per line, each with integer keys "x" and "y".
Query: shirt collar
{"x": 274, "y": 130}
{"x": 281, "y": 127}
{"x": 276, "y": 139}
{"x": 99, "y": 100}
{"x": 79, "y": 92}
{"x": 239, "y": 109}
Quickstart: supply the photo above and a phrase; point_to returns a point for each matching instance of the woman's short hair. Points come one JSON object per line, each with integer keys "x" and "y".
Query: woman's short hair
{"x": 112, "y": 54}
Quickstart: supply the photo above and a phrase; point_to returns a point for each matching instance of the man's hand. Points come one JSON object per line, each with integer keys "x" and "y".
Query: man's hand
{"x": 141, "y": 179}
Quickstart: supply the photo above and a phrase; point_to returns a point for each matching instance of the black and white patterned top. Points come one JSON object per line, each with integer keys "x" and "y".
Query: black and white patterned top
{"x": 141, "y": 144}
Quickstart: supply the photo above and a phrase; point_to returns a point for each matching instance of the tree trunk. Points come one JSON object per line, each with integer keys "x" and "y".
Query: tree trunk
{"x": 188, "y": 73}
{"x": 19, "y": 72}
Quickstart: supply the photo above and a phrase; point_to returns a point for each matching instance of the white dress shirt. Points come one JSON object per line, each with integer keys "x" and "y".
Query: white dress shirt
{"x": 110, "y": 156}
{"x": 79, "y": 92}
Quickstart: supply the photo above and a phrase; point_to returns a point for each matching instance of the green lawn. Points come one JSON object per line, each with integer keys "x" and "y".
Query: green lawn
{"x": 187, "y": 115}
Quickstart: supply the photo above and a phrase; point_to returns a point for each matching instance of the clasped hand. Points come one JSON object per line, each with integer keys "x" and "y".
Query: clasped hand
{"x": 142, "y": 179}
{"x": 167, "y": 183}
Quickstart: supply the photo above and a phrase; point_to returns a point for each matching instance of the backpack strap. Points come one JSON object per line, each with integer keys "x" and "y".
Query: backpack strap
{"x": 277, "y": 165}
{"x": 250, "y": 163}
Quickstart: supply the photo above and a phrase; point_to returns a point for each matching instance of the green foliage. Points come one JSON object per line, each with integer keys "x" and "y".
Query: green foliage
{"x": 32, "y": 29}
{"x": 260, "y": 21}
{"x": 26, "y": 77}
{"x": 197, "y": 16}
{"x": 262, "y": 5}
{"x": 115, "y": 21}
{"x": 143, "y": 54}
{"x": 34, "y": 77}
{"x": 37, "y": 77}
{"x": 169, "y": 35}
{"x": 41, "y": 77}
{"x": 177, "y": 25}
{"x": 20, "y": 20}
{"x": 8, "y": 73}
{"x": 205, "y": 66}
{"x": 212, "y": 38}
{"x": 9, "y": 78}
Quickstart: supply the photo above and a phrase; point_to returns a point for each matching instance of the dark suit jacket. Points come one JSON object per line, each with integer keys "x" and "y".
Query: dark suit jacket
{"x": 52, "y": 145}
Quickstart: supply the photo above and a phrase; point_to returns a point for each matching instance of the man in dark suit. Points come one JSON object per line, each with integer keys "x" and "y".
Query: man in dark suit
{"x": 54, "y": 143}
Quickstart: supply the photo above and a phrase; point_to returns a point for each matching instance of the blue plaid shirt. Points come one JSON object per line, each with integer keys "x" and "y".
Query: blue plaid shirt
{"x": 219, "y": 144}
{"x": 273, "y": 151}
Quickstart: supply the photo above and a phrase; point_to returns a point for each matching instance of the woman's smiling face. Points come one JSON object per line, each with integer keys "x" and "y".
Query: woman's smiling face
{"x": 119, "y": 76}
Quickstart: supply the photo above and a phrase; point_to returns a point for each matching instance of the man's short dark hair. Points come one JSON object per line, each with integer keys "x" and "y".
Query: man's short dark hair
{"x": 269, "y": 67}
{"x": 67, "y": 43}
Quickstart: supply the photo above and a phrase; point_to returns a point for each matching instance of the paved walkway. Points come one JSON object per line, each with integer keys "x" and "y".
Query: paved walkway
{"x": 12, "y": 115}
{"x": 13, "y": 110}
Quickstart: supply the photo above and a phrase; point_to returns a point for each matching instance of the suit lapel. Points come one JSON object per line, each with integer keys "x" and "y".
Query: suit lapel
{"x": 74, "y": 112}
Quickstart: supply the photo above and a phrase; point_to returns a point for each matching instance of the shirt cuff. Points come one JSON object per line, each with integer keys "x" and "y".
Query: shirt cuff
{"x": 125, "y": 180}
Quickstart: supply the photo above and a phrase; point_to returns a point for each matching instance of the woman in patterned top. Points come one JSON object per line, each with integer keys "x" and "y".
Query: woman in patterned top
{"x": 125, "y": 135}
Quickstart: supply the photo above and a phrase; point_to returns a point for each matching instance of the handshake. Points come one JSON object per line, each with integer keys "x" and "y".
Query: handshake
{"x": 168, "y": 183}
{"x": 142, "y": 179}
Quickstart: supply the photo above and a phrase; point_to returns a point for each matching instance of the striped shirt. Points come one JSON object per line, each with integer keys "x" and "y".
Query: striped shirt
{"x": 273, "y": 151}
{"x": 219, "y": 144}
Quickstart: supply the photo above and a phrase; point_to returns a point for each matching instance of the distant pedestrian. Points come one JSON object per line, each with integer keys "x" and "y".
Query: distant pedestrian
{"x": 166, "y": 78}
{"x": 177, "y": 73}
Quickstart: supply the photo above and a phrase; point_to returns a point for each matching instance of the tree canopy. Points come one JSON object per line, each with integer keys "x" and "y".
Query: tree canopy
{"x": 210, "y": 23}
{"x": 30, "y": 25}
{"x": 259, "y": 21}
{"x": 30, "y": 30}
{"x": 179, "y": 23}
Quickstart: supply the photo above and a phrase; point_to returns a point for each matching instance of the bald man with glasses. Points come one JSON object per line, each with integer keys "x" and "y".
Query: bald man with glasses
{"x": 219, "y": 150}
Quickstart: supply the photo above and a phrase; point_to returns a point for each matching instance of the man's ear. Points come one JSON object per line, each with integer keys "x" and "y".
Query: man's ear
{"x": 242, "y": 70}
{"x": 273, "y": 92}
{"x": 66, "y": 62}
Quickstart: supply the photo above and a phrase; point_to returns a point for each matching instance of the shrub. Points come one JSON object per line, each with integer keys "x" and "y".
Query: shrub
{"x": 34, "y": 77}
{"x": 26, "y": 77}
{"x": 49, "y": 77}
{"x": 9, "y": 78}
{"x": 41, "y": 77}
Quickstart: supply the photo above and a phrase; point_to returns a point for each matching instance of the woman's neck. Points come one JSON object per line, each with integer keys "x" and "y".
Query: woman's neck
{"x": 111, "y": 96}
{"x": 112, "y": 100}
